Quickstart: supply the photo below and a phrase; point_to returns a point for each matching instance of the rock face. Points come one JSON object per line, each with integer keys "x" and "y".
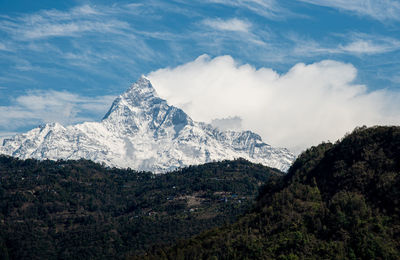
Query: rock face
{"x": 143, "y": 132}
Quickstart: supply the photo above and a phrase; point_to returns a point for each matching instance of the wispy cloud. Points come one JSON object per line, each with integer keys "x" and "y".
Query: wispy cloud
{"x": 23, "y": 65}
{"x": 266, "y": 8}
{"x": 352, "y": 44}
{"x": 93, "y": 38}
{"x": 43, "y": 30}
{"x": 378, "y": 9}
{"x": 3, "y": 47}
{"x": 4, "y": 135}
{"x": 38, "y": 107}
{"x": 235, "y": 25}
{"x": 371, "y": 46}
{"x": 222, "y": 35}
{"x": 53, "y": 23}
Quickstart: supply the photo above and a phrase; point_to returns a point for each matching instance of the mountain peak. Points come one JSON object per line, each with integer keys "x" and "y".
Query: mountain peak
{"x": 143, "y": 84}
{"x": 143, "y": 132}
{"x": 141, "y": 90}
{"x": 140, "y": 94}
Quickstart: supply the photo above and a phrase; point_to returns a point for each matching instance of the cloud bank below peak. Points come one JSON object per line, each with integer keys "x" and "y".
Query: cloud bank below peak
{"x": 308, "y": 104}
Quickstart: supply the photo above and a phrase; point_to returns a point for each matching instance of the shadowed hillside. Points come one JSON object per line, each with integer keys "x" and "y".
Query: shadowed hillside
{"x": 79, "y": 209}
{"x": 338, "y": 201}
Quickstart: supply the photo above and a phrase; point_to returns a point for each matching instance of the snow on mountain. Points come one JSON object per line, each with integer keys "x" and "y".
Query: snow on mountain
{"x": 143, "y": 132}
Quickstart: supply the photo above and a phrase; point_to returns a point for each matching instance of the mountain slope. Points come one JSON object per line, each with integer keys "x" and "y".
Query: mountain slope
{"x": 338, "y": 201}
{"x": 143, "y": 132}
{"x": 81, "y": 210}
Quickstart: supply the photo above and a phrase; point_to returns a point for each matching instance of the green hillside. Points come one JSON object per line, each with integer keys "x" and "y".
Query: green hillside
{"x": 81, "y": 210}
{"x": 338, "y": 201}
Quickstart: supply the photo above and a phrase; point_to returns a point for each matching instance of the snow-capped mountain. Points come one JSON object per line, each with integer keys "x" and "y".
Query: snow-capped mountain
{"x": 143, "y": 132}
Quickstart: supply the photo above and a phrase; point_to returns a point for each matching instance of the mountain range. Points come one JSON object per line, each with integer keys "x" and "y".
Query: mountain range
{"x": 142, "y": 132}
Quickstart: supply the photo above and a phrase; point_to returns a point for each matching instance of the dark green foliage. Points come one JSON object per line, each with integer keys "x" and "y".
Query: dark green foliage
{"x": 81, "y": 210}
{"x": 338, "y": 201}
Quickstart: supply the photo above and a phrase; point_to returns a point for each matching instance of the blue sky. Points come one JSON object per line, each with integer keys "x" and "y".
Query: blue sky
{"x": 66, "y": 60}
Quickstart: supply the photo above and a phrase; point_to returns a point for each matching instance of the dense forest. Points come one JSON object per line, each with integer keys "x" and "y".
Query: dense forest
{"x": 80, "y": 209}
{"x": 338, "y": 201}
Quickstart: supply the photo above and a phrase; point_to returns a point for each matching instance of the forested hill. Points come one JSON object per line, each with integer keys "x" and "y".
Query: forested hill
{"x": 338, "y": 201}
{"x": 81, "y": 210}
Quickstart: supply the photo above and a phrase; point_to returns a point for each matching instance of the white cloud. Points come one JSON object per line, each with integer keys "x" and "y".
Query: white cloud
{"x": 266, "y": 8}
{"x": 3, "y": 47}
{"x": 369, "y": 47}
{"x": 307, "y": 105}
{"x": 38, "y": 107}
{"x": 229, "y": 123}
{"x": 377, "y": 9}
{"x": 54, "y": 23}
{"x": 234, "y": 24}
{"x": 43, "y": 30}
{"x": 222, "y": 34}
{"x": 395, "y": 79}
{"x": 78, "y": 12}
{"x": 85, "y": 10}
{"x": 353, "y": 44}
{"x": 361, "y": 43}
{"x": 5, "y": 135}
